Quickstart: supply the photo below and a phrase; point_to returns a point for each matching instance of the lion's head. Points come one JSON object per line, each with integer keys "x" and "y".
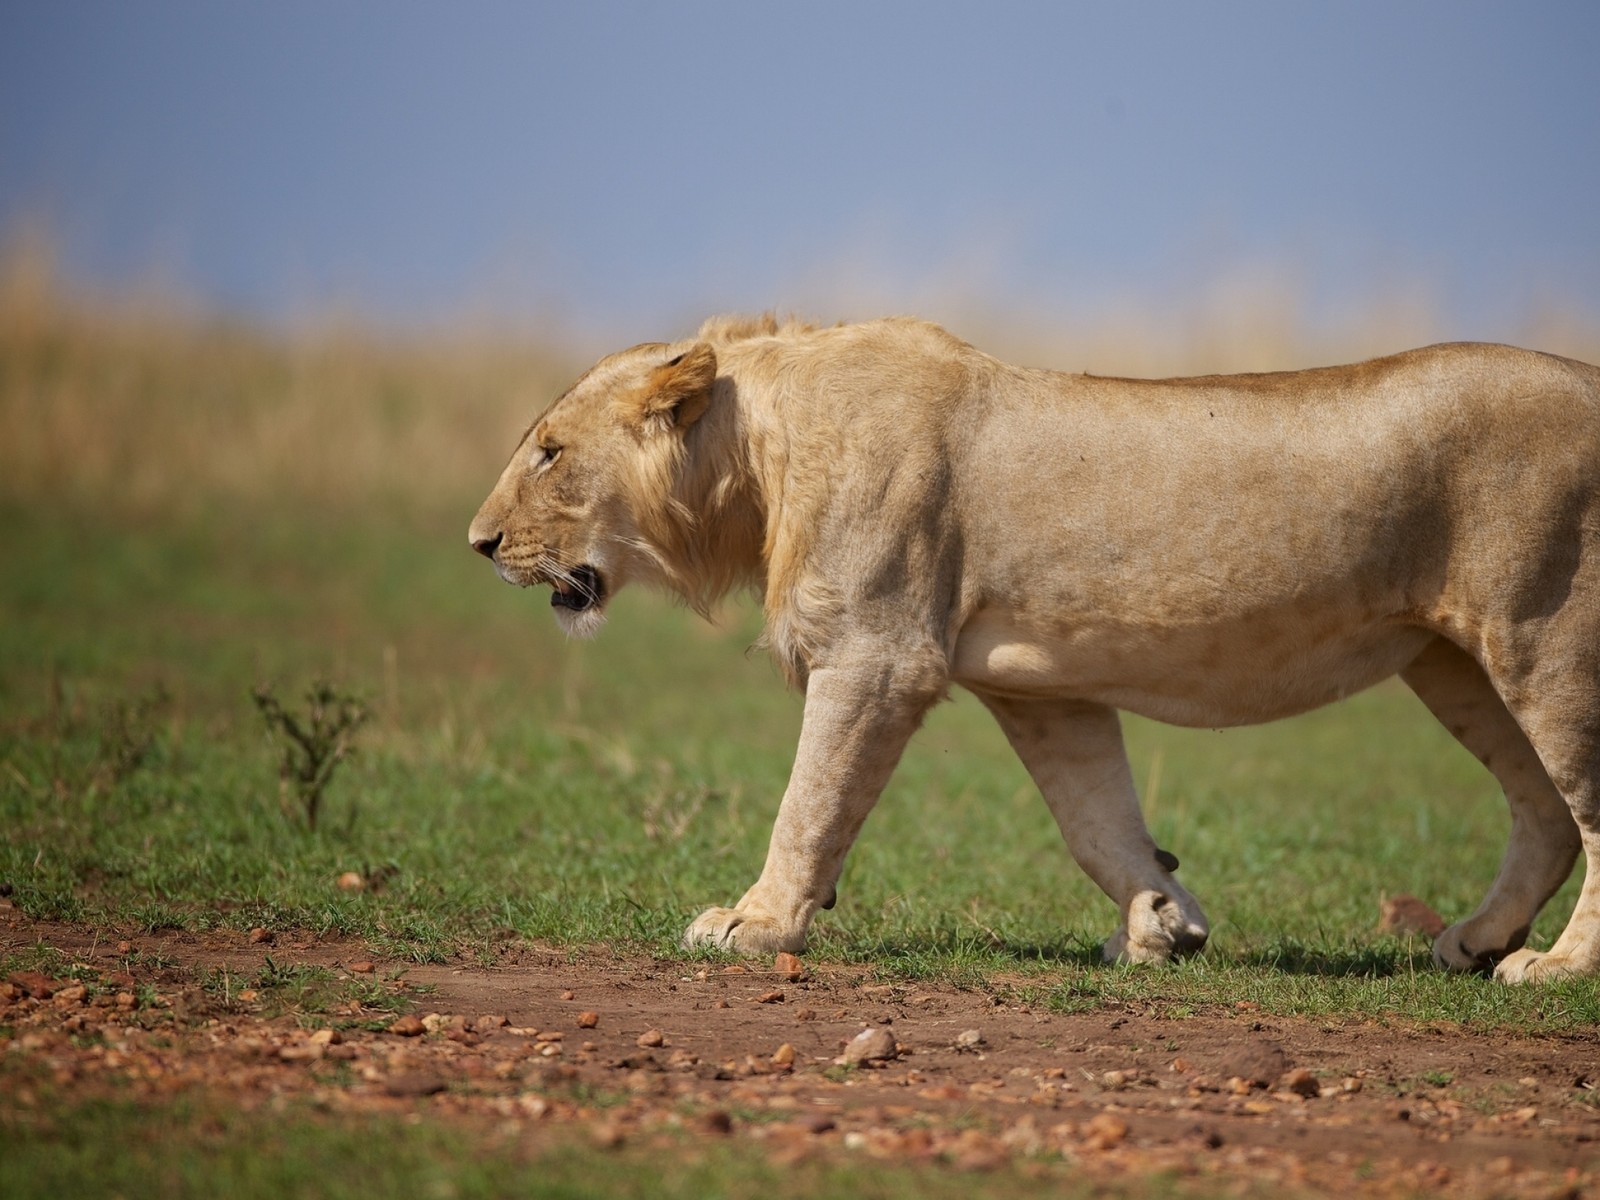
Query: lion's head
{"x": 585, "y": 504}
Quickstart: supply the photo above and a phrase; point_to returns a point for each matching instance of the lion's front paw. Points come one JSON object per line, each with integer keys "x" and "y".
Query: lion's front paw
{"x": 1530, "y": 966}
{"x": 1159, "y": 929}
{"x": 1451, "y": 952}
{"x": 742, "y": 932}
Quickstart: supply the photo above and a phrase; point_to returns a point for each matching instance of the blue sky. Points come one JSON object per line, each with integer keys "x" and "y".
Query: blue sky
{"x": 629, "y": 167}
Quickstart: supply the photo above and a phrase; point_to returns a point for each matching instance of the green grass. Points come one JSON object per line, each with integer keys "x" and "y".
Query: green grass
{"x": 514, "y": 785}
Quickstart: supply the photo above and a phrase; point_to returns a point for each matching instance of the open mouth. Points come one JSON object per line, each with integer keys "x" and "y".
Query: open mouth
{"x": 580, "y": 590}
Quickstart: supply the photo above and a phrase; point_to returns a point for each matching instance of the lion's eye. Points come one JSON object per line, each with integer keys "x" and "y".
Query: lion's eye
{"x": 547, "y": 455}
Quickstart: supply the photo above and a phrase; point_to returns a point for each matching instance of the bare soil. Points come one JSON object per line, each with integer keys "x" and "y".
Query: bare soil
{"x": 624, "y": 1049}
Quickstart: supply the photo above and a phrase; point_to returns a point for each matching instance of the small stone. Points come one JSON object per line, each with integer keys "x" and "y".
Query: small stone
{"x": 549, "y": 1035}
{"x": 718, "y": 1121}
{"x": 567, "y": 995}
{"x": 124, "y": 947}
{"x": 302, "y": 1052}
{"x": 408, "y": 1026}
{"x": 261, "y": 936}
{"x": 820, "y": 1123}
{"x": 72, "y": 994}
{"x": 805, "y": 1014}
{"x": 490, "y": 1021}
{"x": 789, "y": 967}
{"x": 969, "y": 1039}
{"x": 244, "y": 996}
{"x": 1407, "y": 914}
{"x": 1259, "y": 1064}
{"x": 533, "y": 1106}
{"x": 1104, "y": 1131}
{"x": 362, "y": 968}
{"x": 871, "y": 1045}
{"x": 773, "y": 997}
{"x": 350, "y": 881}
{"x": 1302, "y": 1083}
{"x": 413, "y": 1083}
{"x": 650, "y": 1038}
{"x": 783, "y": 1056}
{"x": 32, "y": 983}
{"x": 327, "y": 1037}
{"x": 588, "y": 1020}
{"x": 434, "y": 1022}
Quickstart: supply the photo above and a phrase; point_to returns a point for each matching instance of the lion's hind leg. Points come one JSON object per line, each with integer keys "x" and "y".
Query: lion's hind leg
{"x": 1074, "y": 753}
{"x": 1556, "y": 700}
{"x": 1544, "y": 838}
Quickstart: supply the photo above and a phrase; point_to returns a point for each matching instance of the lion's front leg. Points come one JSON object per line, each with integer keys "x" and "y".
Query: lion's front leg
{"x": 856, "y": 724}
{"x": 1074, "y": 752}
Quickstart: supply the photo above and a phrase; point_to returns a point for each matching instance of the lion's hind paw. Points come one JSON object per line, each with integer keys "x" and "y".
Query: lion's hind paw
{"x": 1531, "y": 966}
{"x": 741, "y": 932}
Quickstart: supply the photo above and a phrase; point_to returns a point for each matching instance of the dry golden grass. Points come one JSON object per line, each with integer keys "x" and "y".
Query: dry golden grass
{"x": 138, "y": 402}
{"x": 141, "y": 404}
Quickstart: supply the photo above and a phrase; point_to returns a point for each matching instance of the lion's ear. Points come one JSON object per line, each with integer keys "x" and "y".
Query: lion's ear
{"x": 679, "y": 391}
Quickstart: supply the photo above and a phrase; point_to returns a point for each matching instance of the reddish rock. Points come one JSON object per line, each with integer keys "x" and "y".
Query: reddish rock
{"x": 1407, "y": 914}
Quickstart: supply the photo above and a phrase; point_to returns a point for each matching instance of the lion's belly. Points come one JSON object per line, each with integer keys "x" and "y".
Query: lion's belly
{"x": 1209, "y": 676}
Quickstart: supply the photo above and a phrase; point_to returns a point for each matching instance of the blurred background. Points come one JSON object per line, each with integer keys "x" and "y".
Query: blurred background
{"x": 1172, "y": 177}
{"x": 429, "y": 216}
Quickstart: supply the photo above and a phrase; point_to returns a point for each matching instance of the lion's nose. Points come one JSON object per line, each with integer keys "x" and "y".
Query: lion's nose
{"x": 487, "y": 546}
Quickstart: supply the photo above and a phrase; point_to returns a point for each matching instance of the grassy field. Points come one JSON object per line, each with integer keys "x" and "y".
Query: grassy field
{"x": 190, "y": 511}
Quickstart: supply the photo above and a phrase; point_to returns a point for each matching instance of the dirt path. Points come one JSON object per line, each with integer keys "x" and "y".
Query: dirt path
{"x": 971, "y": 1078}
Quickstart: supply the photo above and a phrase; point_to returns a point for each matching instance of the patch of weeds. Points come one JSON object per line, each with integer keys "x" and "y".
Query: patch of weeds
{"x": 46, "y": 960}
{"x": 1438, "y": 1078}
{"x": 311, "y": 744}
{"x": 128, "y": 733}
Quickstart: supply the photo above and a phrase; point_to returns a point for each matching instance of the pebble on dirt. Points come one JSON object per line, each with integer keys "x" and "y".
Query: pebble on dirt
{"x": 871, "y": 1045}
{"x": 969, "y": 1039}
{"x": 260, "y": 936}
{"x": 650, "y": 1038}
{"x": 588, "y": 1020}
{"x": 773, "y": 997}
{"x": 1302, "y": 1083}
{"x": 1257, "y": 1064}
{"x": 350, "y": 881}
{"x": 788, "y": 967}
{"x": 413, "y": 1083}
{"x": 362, "y": 968}
{"x": 409, "y": 1025}
{"x": 1104, "y": 1131}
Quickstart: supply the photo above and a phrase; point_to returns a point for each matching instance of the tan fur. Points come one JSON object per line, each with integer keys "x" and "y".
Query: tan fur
{"x": 1210, "y": 552}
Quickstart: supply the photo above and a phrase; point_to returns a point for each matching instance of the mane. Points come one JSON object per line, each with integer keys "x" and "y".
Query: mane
{"x": 735, "y": 327}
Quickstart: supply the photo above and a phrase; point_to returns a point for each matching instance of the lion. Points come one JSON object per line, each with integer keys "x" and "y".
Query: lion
{"x": 1213, "y": 551}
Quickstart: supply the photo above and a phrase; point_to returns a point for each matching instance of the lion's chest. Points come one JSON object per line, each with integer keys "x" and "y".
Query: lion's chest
{"x": 1236, "y": 672}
